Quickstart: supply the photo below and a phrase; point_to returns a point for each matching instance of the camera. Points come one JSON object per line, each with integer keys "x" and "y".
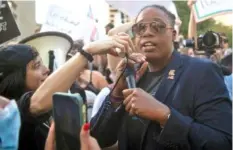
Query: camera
{"x": 207, "y": 42}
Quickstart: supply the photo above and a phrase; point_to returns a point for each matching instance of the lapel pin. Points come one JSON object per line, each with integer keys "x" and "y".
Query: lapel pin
{"x": 171, "y": 74}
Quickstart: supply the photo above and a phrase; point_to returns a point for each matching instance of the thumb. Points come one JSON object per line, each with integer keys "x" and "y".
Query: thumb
{"x": 93, "y": 144}
{"x": 84, "y": 136}
{"x": 142, "y": 70}
{"x": 50, "y": 142}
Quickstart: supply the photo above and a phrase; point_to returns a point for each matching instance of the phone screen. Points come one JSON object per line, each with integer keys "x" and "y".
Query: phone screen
{"x": 67, "y": 111}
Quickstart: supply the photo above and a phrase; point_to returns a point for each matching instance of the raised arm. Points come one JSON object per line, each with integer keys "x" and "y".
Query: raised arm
{"x": 62, "y": 79}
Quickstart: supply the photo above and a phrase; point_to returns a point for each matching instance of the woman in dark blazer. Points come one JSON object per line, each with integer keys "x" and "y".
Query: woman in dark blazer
{"x": 179, "y": 103}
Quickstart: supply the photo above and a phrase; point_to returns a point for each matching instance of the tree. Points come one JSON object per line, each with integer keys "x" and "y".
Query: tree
{"x": 184, "y": 13}
{"x": 210, "y": 24}
{"x": 224, "y": 29}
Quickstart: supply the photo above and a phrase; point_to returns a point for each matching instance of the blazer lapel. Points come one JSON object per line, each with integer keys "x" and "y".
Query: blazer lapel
{"x": 171, "y": 75}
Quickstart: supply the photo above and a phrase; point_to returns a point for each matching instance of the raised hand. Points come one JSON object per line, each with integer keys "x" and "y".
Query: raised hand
{"x": 112, "y": 44}
{"x": 133, "y": 59}
{"x": 190, "y": 3}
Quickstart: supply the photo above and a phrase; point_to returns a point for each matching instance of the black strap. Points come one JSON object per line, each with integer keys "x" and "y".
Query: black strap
{"x": 88, "y": 56}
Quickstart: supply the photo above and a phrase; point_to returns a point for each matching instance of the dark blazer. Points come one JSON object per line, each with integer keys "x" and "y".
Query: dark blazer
{"x": 201, "y": 112}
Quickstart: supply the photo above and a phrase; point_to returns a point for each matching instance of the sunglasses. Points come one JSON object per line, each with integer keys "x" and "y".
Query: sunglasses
{"x": 156, "y": 27}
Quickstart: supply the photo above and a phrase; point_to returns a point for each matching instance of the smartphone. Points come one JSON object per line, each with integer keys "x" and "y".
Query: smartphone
{"x": 69, "y": 116}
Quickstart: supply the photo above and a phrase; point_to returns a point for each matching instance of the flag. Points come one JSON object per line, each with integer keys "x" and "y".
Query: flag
{"x": 94, "y": 31}
{"x": 90, "y": 13}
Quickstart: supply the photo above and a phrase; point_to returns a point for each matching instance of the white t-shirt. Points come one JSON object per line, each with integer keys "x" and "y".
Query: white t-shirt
{"x": 99, "y": 100}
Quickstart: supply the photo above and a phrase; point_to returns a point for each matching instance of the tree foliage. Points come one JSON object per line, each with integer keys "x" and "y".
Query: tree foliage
{"x": 210, "y": 24}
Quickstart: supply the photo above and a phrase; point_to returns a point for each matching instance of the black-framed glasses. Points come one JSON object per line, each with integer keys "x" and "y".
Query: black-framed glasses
{"x": 155, "y": 26}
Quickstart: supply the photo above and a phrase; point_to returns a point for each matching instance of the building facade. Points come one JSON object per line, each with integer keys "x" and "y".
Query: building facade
{"x": 116, "y": 16}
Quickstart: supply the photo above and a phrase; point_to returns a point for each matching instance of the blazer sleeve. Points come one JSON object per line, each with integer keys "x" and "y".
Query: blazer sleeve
{"x": 106, "y": 123}
{"x": 211, "y": 126}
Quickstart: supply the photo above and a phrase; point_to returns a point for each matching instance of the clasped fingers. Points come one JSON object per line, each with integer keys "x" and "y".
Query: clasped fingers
{"x": 124, "y": 44}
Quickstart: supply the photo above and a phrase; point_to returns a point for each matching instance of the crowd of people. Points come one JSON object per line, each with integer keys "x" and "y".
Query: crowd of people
{"x": 181, "y": 100}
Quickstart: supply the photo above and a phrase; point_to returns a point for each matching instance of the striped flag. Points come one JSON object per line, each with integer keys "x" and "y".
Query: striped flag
{"x": 94, "y": 33}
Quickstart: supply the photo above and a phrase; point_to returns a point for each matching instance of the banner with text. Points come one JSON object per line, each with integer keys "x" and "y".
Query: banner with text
{"x": 206, "y": 9}
{"x": 70, "y": 22}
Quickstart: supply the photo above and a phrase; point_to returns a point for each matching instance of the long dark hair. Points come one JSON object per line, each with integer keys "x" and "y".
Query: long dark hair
{"x": 13, "y": 86}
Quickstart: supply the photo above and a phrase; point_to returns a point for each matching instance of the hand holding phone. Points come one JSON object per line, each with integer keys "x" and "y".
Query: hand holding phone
{"x": 69, "y": 115}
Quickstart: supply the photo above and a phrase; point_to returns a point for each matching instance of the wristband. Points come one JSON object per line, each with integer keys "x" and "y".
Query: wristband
{"x": 88, "y": 56}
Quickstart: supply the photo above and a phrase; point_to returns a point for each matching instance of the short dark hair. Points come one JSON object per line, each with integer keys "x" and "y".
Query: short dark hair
{"x": 171, "y": 17}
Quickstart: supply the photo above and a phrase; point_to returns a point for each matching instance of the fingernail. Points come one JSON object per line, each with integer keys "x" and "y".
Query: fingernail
{"x": 86, "y": 126}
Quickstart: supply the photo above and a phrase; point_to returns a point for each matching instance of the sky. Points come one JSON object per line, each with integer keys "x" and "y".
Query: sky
{"x": 225, "y": 19}
{"x": 100, "y": 10}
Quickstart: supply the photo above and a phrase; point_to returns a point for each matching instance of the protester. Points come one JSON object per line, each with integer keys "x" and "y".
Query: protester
{"x": 108, "y": 27}
{"x": 226, "y": 50}
{"x": 226, "y": 62}
{"x": 24, "y": 77}
{"x": 180, "y": 103}
{"x": 187, "y": 51}
{"x": 9, "y": 124}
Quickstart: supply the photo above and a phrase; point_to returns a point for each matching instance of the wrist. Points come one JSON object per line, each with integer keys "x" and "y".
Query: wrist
{"x": 116, "y": 91}
{"x": 87, "y": 48}
{"x": 165, "y": 116}
{"x": 86, "y": 53}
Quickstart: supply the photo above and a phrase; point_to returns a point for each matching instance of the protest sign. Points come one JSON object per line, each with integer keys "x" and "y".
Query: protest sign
{"x": 62, "y": 20}
{"x": 76, "y": 24}
{"x": 8, "y": 26}
{"x": 205, "y": 9}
